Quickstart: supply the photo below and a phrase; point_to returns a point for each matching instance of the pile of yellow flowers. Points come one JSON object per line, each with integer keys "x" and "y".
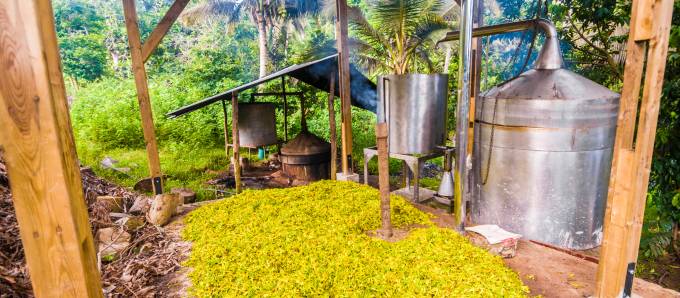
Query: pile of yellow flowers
{"x": 312, "y": 241}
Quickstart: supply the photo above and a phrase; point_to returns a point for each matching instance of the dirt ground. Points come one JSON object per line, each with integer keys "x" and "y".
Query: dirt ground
{"x": 552, "y": 273}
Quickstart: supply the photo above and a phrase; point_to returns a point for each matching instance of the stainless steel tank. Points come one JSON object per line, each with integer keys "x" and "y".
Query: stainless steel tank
{"x": 543, "y": 149}
{"x": 417, "y": 111}
{"x": 257, "y": 124}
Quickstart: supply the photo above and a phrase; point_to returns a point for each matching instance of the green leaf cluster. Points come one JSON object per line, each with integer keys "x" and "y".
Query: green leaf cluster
{"x": 312, "y": 241}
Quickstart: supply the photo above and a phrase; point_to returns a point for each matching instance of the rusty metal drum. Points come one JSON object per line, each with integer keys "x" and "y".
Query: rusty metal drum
{"x": 257, "y": 124}
{"x": 416, "y": 105}
{"x": 543, "y": 147}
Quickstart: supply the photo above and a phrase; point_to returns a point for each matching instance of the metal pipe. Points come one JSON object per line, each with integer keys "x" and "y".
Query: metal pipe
{"x": 463, "y": 109}
{"x": 549, "y": 57}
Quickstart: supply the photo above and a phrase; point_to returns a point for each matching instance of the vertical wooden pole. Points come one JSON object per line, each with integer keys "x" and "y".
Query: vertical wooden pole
{"x": 333, "y": 131}
{"x": 226, "y": 129}
{"x": 285, "y": 108}
{"x": 40, "y": 153}
{"x": 633, "y": 153}
{"x": 143, "y": 94}
{"x": 235, "y": 137}
{"x": 381, "y": 133}
{"x": 344, "y": 84}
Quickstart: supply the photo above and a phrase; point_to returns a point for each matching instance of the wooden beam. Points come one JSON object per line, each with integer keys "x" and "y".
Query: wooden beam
{"x": 381, "y": 133}
{"x": 141, "y": 83}
{"x": 332, "y": 128}
{"x": 344, "y": 84}
{"x": 285, "y": 108}
{"x": 162, "y": 28}
{"x": 633, "y": 153}
{"x": 226, "y": 130}
{"x": 237, "y": 142}
{"x": 40, "y": 154}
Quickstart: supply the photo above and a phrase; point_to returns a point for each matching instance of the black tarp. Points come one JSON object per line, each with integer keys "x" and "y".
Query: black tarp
{"x": 315, "y": 73}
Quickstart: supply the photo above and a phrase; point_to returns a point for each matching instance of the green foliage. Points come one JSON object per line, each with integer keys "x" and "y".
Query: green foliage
{"x": 312, "y": 241}
{"x": 396, "y": 35}
{"x": 79, "y": 29}
{"x": 591, "y": 31}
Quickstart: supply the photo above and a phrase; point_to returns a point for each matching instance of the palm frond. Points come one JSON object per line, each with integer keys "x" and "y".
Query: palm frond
{"x": 364, "y": 30}
{"x": 228, "y": 10}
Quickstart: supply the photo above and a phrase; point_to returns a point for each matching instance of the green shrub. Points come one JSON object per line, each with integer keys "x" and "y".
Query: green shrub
{"x": 312, "y": 241}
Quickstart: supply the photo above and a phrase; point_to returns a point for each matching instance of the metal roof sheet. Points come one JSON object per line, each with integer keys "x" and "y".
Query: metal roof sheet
{"x": 316, "y": 73}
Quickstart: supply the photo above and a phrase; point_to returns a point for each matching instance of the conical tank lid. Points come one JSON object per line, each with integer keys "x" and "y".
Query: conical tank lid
{"x": 305, "y": 143}
{"x": 557, "y": 84}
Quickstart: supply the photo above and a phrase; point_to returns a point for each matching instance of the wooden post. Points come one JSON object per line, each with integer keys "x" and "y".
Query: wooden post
{"x": 285, "y": 108}
{"x": 381, "y": 132}
{"x": 333, "y": 131}
{"x": 344, "y": 84}
{"x": 143, "y": 94}
{"x": 235, "y": 138}
{"x": 40, "y": 153}
{"x": 226, "y": 129}
{"x": 633, "y": 153}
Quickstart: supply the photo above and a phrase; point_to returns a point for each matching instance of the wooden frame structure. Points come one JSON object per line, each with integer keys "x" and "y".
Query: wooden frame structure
{"x": 35, "y": 132}
{"x": 140, "y": 53}
{"x": 36, "y": 135}
{"x": 235, "y": 143}
{"x": 647, "y": 44}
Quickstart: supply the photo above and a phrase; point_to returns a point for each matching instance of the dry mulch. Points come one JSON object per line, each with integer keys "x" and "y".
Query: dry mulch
{"x": 141, "y": 269}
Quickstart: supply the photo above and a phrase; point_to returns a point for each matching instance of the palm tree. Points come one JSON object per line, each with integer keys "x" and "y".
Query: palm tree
{"x": 395, "y": 35}
{"x": 265, "y": 14}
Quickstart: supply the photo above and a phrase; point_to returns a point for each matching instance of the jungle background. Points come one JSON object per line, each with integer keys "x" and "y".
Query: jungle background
{"x": 217, "y": 45}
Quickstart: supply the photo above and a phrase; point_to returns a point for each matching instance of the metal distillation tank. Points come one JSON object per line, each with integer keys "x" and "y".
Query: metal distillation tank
{"x": 257, "y": 124}
{"x": 416, "y": 111}
{"x": 543, "y": 146}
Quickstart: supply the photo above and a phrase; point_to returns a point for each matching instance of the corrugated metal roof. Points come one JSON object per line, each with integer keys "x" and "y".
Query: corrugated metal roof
{"x": 315, "y": 73}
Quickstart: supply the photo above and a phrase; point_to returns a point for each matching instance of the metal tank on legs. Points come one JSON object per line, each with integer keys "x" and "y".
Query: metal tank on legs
{"x": 416, "y": 105}
{"x": 543, "y": 145}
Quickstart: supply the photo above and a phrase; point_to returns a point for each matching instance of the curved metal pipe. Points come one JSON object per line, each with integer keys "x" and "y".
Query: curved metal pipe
{"x": 550, "y": 56}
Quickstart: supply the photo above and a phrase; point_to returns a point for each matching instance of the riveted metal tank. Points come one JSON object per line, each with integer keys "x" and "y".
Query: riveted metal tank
{"x": 543, "y": 147}
{"x": 257, "y": 124}
{"x": 417, "y": 111}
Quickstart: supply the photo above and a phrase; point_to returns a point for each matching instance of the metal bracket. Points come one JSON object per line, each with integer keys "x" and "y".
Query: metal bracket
{"x": 628, "y": 286}
{"x": 157, "y": 187}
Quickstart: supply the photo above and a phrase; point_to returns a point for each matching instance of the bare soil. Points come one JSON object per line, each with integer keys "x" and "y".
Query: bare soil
{"x": 552, "y": 273}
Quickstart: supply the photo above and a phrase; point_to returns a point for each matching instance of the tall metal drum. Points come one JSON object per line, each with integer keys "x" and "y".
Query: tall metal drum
{"x": 543, "y": 147}
{"x": 417, "y": 111}
{"x": 257, "y": 124}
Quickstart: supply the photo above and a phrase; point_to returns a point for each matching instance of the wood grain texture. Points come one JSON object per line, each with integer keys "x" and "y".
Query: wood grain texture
{"x": 344, "y": 84}
{"x": 40, "y": 155}
{"x": 333, "y": 129}
{"x": 162, "y": 28}
{"x": 236, "y": 142}
{"x": 381, "y": 132}
{"x": 141, "y": 84}
{"x": 633, "y": 152}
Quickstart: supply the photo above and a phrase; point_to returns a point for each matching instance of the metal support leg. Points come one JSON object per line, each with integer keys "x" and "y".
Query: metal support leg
{"x": 416, "y": 182}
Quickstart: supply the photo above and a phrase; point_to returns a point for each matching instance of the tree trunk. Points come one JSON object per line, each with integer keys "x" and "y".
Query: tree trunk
{"x": 262, "y": 41}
